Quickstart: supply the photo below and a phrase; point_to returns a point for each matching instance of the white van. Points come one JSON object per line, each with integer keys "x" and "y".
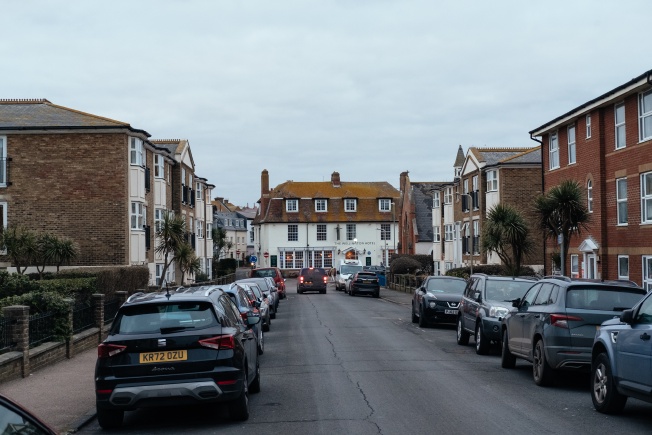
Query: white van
{"x": 345, "y": 269}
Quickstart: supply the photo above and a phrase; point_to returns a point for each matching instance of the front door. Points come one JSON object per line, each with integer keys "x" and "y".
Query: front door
{"x": 591, "y": 267}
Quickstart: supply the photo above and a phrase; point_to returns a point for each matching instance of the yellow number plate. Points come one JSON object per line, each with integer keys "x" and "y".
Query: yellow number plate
{"x": 165, "y": 356}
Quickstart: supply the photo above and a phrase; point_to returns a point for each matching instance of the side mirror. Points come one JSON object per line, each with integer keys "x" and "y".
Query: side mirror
{"x": 257, "y": 303}
{"x": 477, "y": 297}
{"x": 627, "y": 316}
{"x": 516, "y": 302}
{"x": 422, "y": 289}
{"x": 252, "y": 318}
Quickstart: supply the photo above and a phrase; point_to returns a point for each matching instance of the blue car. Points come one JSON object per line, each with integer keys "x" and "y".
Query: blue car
{"x": 622, "y": 359}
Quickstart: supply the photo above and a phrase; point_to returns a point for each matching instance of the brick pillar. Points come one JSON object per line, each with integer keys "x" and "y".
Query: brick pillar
{"x": 17, "y": 317}
{"x": 98, "y": 304}
{"x": 70, "y": 342}
{"x": 122, "y": 296}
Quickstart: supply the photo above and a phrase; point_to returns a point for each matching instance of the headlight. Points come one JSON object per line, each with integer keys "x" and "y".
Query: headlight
{"x": 498, "y": 312}
{"x": 432, "y": 304}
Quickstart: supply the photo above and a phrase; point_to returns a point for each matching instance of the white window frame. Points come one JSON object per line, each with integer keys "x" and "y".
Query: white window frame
{"x": 575, "y": 266}
{"x": 158, "y": 218}
{"x": 588, "y": 126}
{"x": 589, "y": 196}
{"x": 553, "y": 151}
{"x": 385, "y": 232}
{"x": 200, "y": 229}
{"x": 322, "y": 232}
{"x": 136, "y": 151}
{"x": 644, "y": 133}
{"x": 293, "y": 232}
{"x": 209, "y": 230}
{"x": 492, "y": 181}
{"x": 646, "y": 199}
{"x": 3, "y": 163}
{"x": 291, "y": 205}
{"x": 137, "y": 216}
{"x": 384, "y": 204}
{"x": 448, "y": 196}
{"x": 158, "y": 272}
{"x": 572, "y": 150}
{"x": 351, "y": 231}
{"x": 622, "y": 275}
{"x": 199, "y": 195}
{"x": 620, "y": 126}
{"x": 3, "y": 213}
{"x": 647, "y": 272}
{"x": 436, "y": 199}
{"x": 321, "y": 205}
{"x": 448, "y": 232}
{"x": 350, "y": 205}
{"x": 159, "y": 166}
{"x": 465, "y": 187}
{"x": 620, "y": 201}
{"x": 436, "y": 234}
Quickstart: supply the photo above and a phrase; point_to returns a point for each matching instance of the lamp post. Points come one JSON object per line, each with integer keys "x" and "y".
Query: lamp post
{"x": 392, "y": 204}
{"x": 471, "y": 229}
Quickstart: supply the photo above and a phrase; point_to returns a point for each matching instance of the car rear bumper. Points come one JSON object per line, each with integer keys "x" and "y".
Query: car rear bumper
{"x": 371, "y": 289}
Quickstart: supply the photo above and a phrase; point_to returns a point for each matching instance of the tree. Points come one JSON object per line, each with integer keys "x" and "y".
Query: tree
{"x": 187, "y": 260}
{"x": 53, "y": 250}
{"x": 219, "y": 242}
{"x": 170, "y": 235}
{"x": 21, "y": 246}
{"x": 562, "y": 211}
{"x": 506, "y": 233}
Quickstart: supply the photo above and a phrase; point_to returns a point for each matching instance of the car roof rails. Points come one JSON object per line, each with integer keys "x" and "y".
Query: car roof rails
{"x": 135, "y": 295}
{"x": 559, "y": 277}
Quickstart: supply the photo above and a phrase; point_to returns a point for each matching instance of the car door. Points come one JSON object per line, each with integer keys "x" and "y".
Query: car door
{"x": 471, "y": 303}
{"x": 535, "y": 316}
{"x": 634, "y": 349}
{"x": 244, "y": 335}
{"x": 515, "y": 324}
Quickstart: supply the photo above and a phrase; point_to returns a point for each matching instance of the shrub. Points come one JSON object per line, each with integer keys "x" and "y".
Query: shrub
{"x": 405, "y": 264}
{"x": 489, "y": 269}
{"x": 12, "y": 284}
{"x": 226, "y": 266}
{"x": 44, "y": 302}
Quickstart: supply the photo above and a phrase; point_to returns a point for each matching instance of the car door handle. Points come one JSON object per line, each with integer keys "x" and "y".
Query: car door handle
{"x": 644, "y": 336}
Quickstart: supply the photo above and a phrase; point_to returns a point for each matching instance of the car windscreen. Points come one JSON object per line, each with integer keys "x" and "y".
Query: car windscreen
{"x": 506, "y": 290}
{"x": 313, "y": 272}
{"x": 262, "y": 273}
{"x": 347, "y": 269}
{"x": 446, "y": 285}
{"x": 603, "y": 298}
{"x": 261, "y": 283}
{"x": 162, "y": 318}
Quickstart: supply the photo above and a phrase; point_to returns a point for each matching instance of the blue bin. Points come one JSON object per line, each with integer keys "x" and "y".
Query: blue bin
{"x": 382, "y": 280}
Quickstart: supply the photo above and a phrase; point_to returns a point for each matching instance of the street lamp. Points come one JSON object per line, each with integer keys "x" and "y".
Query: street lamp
{"x": 471, "y": 228}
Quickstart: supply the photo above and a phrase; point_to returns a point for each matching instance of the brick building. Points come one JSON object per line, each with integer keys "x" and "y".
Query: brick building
{"x": 606, "y": 145}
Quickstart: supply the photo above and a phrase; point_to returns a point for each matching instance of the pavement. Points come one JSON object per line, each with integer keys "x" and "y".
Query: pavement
{"x": 63, "y": 394}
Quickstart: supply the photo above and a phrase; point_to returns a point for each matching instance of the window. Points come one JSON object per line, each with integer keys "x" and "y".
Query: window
{"x": 159, "y": 214}
{"x": 476, "y": 237}
{"x": 621, "y": 200}
{"x": 620, "y": 126}
{"x": 646, "y": 198}
{"x": 159, "y": 272}
{"x": 320, "y": 205}
{"x": 191, "y": 225}
{"x": 588, "y": 126}
{"x": 350, "y": 231}
{"x": 645, "y": 116}
{"x": 3, "y": 224}
{"x": 321, "y": 232}
{"x": 571, "y": 145}
{"x": 209, "y": 230}
{"x": 647, "y": 272}
{"x": 436, "y": 237}
{"x": 448, "y": 232}
{"x": 492, "y": 181}
{"x": 200, "y": 192}
{"x": 136, "y": 151}
{"x": 349, "y": 204}
{"x": 159, "y": 166}
{"x": 448, "y": 195}
{"x": 466, "y": 186}
{"x": 3, "y": 162}
{"x": 553, "y": 152}
{"x": 589, "y": 196}
{"x": 384, "y": 205}
{"x": 292, "y": 205}
{"x": 575, "y": 266}
{"x": 293, "y": 233}
{"x": 623, "y": 267}
{"x": 385, "y": 232}
{"x": 435, "y": 199}
{"x": 200, "y": 229}
{"x": 137, "y": 216}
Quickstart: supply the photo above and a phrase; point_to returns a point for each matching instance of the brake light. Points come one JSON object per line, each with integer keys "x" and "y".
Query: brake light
{"x": 301, "y": 279}
{"x": 325, "y": 279}
{"x": 219, "y": 342}
{"x": 109, "y": 350}
{"x": 561, "y": 320}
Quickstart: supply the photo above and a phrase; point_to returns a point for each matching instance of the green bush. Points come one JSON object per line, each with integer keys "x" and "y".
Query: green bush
{"x": 12, "y": 284}
{"x": 112, "y": 279}
{"x": 404, "y": 264}
{"x": 80, "y": 289}
{"x": 424, "y": 260}
{"x": 44, "y": 302}
{"x": 489, "y": 269}
{"x": 226, "y": 266}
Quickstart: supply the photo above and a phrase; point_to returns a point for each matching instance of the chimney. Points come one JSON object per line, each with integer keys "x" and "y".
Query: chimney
{"x": 335, "y": 179}
{"x": 264, "y": 191}
{"x": 404, "y": 178}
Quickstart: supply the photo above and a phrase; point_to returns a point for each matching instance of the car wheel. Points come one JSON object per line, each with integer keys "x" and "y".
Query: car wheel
{"x": 239, "y": 408}
{"x": 605, "y": 396}
{"x": 481, "y": 341}
{"x": 507, "y": 359}
{"x": 422, "y": 318}
{"x": 322, "y": 291}
{"x": 415, "y": 319}
{"x": 377, "y": 294}
{"x": 255, "y": 384}
{"x": 109, "y": 418}
{"x": 462, "y": 335}
{"x": 541, "y": 371}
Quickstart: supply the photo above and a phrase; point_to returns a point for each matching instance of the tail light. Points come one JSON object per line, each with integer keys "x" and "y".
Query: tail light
{"x": 219, "y": 342}
{"x": 244, "y": 316}
{"x": 561, "y": 320}
{"x": 325, "y": 279}
{"x": 108, "y": 350}
{"x": 301, "y": 279}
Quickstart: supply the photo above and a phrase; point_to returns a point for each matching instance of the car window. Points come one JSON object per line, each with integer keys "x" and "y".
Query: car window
{"x": 506, "y": 290}
{"x": 157, "y": 318}
{"x": 644, "y": 315}
{"x": 528, "y": 298}
{"x": 602, "y": 298}
{"x": 543, "y": 296}
{"x": 230, "y": 310}
{"x": 470, "y": 288}
{"x": 262, "y": 273}
{"x": 15, "y": 423}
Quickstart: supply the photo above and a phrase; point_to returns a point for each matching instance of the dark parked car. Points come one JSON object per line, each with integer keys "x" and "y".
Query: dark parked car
{"x": 378, "y": 270}
{"x": 269, "y": 290}
{"x": 486, "y": 301}
{"x": 247, "y": 306}
{"x": 174, "y": 348}
{"x": 621, "y": 359}
{"x": 364, "y": 283}
{"x": 274, "y": 273}
{"x": 437, "y": 300}
{"x": 253, "y": 289}
{"x": 556, "y": 321}
{"x": 18, "y": 420}
{"x": 312, "y": 279}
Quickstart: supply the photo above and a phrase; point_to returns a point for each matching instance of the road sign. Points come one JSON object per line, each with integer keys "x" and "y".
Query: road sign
{"x": 253, "y": 259}
{"x": 266, "y": 255}
{"x": 237, "y": 252}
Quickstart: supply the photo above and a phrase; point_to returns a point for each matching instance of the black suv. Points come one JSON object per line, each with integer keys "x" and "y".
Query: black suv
{"x": 486, "y": 301}
{"x": 312, "y": 279}
{"x": 176, "y": 348}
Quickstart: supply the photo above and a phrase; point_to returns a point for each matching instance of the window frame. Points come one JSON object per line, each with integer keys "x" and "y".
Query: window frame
{"x": 572, "y": 150}
{"x": 646, "y": 275}
{"x": 449, "y": 232}
{"x": 589, "y": 195}
{"x": 620, "y": 201}
{"x": 492, "y": 181}
{"x": 643, "y": 116}
{"x": 588, "y": 126}
{"x": 385, "y": 232}
{"x": 199, "y": 190}
{"x": 385, "y": 205}
{"x": 293, "y": 232}
{"x": 448, "y": 196}
{"x": 322, "y": 232}
{"x": 620, "y": 126}
{"x": 645, "y": 198}
{"x": 321, "y": 205}
{"x": 137, "y": 216}
{"x": 553, "y": 152}
{"x": 575, "y": 266}
{"x": 620, "y": 274}
{"x": 292, "y": 205}
{"x": 3, "y": 163}
{"x": 200, "y": 229}
{"x": 350, "y": 205}
{"x": 436, "y": 234}
{"x": 159, "y": 166}
{"x": 436, "y": 199}
{"x": 351, "y": 232}
{"x": 136, "y": 151}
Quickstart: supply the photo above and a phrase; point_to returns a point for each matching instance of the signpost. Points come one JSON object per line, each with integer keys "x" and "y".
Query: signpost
{"x": 253, "y": 259}
{"x": 266, "y": 254}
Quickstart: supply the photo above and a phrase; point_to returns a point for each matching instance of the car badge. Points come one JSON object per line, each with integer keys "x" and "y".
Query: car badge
{"x": 162, "y": 342}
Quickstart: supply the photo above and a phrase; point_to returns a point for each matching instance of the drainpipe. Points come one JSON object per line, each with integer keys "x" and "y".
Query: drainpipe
{"x": 542, "y": 186}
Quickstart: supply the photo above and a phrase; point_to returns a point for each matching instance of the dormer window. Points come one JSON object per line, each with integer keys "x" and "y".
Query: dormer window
{"x": 292, "y": 205}
{"x": 385, "y": 204}
{"x": 321, "y": 205}
{"x": 350, "y": 204}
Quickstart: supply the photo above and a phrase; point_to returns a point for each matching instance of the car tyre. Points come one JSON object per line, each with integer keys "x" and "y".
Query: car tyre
{"x": 481, "y": 341}
{"x": 507, "y": 359}
{"x": 109, "y": 418}
{"x": 239, "y": 408}
{"x": 415, "y": 318}
{"x": 422, "y": 318}
{"x": 322, "y": 291}
{"x": 462, "y": 335}
{"x": 377, "y": 294}
{"x": 605, "y": 396}
{"x": 255, "y": 384}
{"x": 541, "y": 370}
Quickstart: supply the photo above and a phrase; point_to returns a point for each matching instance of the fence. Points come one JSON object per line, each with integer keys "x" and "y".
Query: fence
{"x": 404, "y": 282}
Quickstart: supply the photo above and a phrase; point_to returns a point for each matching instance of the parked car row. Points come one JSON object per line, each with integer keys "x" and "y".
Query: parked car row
{"x": 555, "y": 323}
{"x": 186, "y": 346}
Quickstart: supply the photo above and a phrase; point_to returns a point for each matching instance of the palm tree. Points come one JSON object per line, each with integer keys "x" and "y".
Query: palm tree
{"x": 506, "y": 233}
{"x": 219, "y": 242}
{"x": 170, "y": 235}
{"x": 54, "y": 250}
{"x": 187, "y": 260}
{"x": 21, "y": 246}
{"x": 562, "y": 211}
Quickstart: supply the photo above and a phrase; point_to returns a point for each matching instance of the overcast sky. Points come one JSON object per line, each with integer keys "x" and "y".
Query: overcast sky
{"x": 368, "y": 88}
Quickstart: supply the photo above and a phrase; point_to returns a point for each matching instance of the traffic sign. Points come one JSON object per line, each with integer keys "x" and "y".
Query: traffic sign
{"x": 253, "y": 259}
{"x": 266, "y": 255}
{"x": 237, "y": 252}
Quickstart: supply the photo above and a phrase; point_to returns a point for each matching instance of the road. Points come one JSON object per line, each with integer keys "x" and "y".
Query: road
{"x": 336, "y": 364}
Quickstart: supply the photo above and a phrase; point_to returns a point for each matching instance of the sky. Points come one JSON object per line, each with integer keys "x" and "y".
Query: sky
{"x": 367, "y": 88}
